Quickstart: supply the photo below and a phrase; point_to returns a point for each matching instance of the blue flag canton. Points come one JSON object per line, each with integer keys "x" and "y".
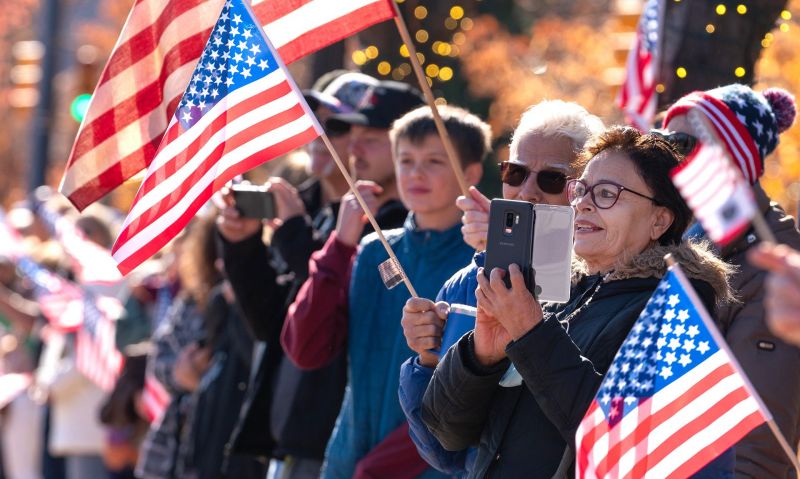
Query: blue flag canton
{"x": 648, "y": 25}
{"x": 236, "y": 55}
{"x": 667, "y": 341}
{"x": 43, "y": 280}
{"x": 91, "y": 314}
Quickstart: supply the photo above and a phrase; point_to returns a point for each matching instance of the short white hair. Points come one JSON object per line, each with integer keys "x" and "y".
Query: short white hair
{"x": 554, "y": 118}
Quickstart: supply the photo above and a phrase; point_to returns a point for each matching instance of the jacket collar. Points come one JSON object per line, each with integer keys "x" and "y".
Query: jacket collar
{"x": 431, "y": 238}
{"x": 697, "y": 260}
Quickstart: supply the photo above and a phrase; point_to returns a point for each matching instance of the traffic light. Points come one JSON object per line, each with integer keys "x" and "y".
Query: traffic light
{"x": 86, "y": 74}
{"x": 26, "y": 74}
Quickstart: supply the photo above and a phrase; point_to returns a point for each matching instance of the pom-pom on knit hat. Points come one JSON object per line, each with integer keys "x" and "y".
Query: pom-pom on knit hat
{"x": 747, "y": 122}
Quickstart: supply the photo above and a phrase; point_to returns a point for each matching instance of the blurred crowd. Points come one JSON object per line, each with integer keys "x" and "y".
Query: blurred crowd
{"x": 253, "y": 348}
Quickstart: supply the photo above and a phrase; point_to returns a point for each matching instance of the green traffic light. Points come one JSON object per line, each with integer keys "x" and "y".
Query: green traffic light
{"x": 79, "y": 106}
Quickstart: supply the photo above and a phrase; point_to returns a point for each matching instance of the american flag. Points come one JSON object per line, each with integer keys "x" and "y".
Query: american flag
{"x": 96, "y": 354}
{"x": 148, "y": 70}
{"x": 155, "y": 398}
{"x": 241, "y": 109}
{"x": 672, "y": 400}
{"x": 716, "y": 192}
{"x": 93, "y": 264}
{"x": 60, "y": 301}
{"x": 637, "y": 97}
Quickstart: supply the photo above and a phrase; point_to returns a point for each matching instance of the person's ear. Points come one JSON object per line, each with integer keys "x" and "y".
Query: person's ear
{"x": 662, "y": 220}
{"x": 473, "y": 173}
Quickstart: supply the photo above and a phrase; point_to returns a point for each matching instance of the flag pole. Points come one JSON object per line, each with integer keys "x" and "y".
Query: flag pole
{"x": 759, "y": 224}
{"x": 714, "y": 331}
{"x": 367, "y": 212}
{"x": 426, "y": 90}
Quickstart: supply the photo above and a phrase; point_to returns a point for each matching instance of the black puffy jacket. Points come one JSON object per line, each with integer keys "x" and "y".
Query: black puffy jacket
{"x": 528, "y": 431}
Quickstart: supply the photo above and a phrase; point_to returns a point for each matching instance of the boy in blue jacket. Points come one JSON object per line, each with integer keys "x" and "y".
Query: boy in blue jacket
{"x": 371, "y": 438}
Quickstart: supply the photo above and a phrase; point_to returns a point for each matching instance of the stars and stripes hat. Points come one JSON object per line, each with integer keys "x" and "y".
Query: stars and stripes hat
{"x": 747, "y": 122}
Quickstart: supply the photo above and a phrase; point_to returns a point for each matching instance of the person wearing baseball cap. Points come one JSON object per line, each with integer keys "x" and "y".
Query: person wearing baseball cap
{"x": 747, "y": 125}
{"x": 370, "y": 149}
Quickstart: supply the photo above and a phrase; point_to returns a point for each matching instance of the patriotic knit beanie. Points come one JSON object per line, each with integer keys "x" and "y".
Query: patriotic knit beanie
{"x": 747, "y": 122}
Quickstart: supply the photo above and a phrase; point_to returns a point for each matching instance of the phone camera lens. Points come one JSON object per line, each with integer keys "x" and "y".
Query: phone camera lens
{"x": 509, "y": 220}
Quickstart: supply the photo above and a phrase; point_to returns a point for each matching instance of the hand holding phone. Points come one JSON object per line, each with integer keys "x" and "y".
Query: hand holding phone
{"x": 510, "y": 239}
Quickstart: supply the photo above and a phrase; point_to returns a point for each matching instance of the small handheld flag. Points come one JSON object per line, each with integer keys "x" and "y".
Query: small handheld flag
{"x": 241, "y": 109}
{"x": 391, "y": 273}
{"x": 674, "y": 397}
{"x": 714, "y": 189}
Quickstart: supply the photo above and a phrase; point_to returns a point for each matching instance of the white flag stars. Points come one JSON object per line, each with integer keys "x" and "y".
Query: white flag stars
{"x": 227, "y": 63}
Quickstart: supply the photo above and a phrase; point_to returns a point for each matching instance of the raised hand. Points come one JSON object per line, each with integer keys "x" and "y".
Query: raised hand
{"x": 351, "y": 219}
{"x": 475, "y": 220}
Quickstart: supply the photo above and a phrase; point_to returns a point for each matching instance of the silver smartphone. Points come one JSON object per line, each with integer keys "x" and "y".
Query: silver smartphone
{"x": 553, "y": 234}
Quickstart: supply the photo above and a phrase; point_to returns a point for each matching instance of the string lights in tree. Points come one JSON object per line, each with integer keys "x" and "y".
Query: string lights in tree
{"x": 437, "y": 48}
{"x": 741, "y": 9}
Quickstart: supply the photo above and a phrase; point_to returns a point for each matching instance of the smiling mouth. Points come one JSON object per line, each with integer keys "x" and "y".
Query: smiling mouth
{"x": 586, "y": 229}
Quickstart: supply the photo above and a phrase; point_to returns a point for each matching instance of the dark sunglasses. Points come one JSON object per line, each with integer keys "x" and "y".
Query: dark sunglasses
{"x": 604, "y": 194}
{"x": 549, "y": 181}
{"x": 683, "y": 143}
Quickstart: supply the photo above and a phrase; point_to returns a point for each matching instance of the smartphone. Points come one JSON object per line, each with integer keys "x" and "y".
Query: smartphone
{"x": 510, "y": 239}
{"x": 553, "y": 234}
{"x": 254, "y": 201}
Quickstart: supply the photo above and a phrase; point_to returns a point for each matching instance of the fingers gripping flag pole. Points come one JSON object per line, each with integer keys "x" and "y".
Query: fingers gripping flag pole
{"x": 674, "y": 397}
{"x": 391, "y": 270}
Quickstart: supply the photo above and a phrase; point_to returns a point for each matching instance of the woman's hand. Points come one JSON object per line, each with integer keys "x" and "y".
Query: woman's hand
{"x": 515, "y": 308}
{"x": 423, "y": 323}
{"x": 490, "y": 338}
{"x": 475, "y": 218}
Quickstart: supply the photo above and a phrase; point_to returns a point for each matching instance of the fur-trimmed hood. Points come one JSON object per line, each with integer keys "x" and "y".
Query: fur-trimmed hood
{"x": 696, "y": 259}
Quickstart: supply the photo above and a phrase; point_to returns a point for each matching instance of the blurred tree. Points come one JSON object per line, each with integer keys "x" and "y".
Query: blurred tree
{"x": 716, "y": 43}
{"x": 779, "y": 66}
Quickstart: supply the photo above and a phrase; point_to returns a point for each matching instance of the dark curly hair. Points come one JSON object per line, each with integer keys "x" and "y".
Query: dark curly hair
{"x": 653, "y": 158}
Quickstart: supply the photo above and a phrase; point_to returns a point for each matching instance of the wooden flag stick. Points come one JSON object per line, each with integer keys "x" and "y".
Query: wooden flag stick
{"x": 367, "y": 212}
{"x": 712, "y": 329}
{"x": 426, "y": 90}
{"x": 759, "y": 224}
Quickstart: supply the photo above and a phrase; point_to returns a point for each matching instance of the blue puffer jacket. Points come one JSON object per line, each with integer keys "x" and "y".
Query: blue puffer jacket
{"x": 376, "y": 345}
{"x": 414, "y": 379}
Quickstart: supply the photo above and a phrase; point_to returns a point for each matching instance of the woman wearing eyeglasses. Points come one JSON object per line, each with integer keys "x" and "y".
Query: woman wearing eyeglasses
{"x": 543, "y": 154}
{"x": 628, "y": 216}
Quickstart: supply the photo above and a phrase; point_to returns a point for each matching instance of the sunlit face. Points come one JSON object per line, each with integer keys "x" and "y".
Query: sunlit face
{"x": 539, "y": 153}
{"x": 371, "y": 154}
{"x": 425, "y": 179}
{"x": 606, "y": 237}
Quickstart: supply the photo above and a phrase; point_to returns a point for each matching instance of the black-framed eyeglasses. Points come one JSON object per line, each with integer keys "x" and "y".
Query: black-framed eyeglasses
{"x": 549, "y": 181}
{"x": 604, "y": 194}
{"x": 683, "y": 143}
